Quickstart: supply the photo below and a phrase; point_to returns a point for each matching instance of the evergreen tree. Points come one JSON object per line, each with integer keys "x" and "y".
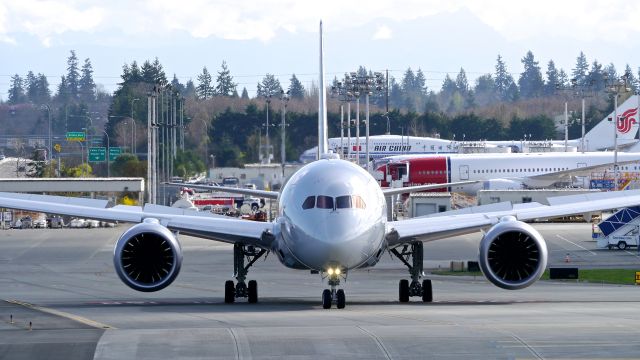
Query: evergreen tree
{"x": 63, "y": 90}
{"x": 16, "y": 90}
{"x": 150, "y": 73}
{"x": 270, "y": 86}
{"x": 190, "y": 89}
{"x": 503, "y": 80}
{"x": 485, "y": 90}
{"x": 630, "y": 78}
{"x": 420, "y": 83}
{"x": 176, "y": 85}
{"x": 530, "y": 82}
{"x": 87, "y": 86}
{"x": 43, "y": 94}
{"x": 225, "y": 85}
{"x": 449, "y": 86}
{"x": 408, "y": 82}
{"x": 204, "y": 90}
{"x": 296, "y": 90}
{"x": 563, "y": 78}
{"x": 553, "y": 80}
{"x": 30, "y": 83}
{"x": 245, "y": 93}
{"x": 595, "y": 78}
{"x": 611, "y": 72}
{"x": 580, "y": 71}
{"x": 461, "y": 82}
{"x": 73, "y": 75}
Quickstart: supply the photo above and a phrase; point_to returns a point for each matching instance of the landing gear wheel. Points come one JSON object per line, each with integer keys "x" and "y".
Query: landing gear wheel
{"x": 404, "y": 290}
{"x": 622, "y": 245}
{"x": 253, "y": 292}
{"x": 229, "y": 292}
{"x": 326, "y": 299}
{"x": 340, "y": 299}
{"x": 427, "y": 294}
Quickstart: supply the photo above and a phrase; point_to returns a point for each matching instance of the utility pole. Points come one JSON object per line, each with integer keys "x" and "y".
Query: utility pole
{"x": 285, "y": 99}
{"x": 268, "y": 101}
{"x": 616, "y": 87}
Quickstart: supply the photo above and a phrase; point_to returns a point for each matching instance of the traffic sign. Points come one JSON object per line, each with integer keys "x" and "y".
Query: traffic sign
{"x": 97, "y": 154}
{"x": 114, "y": 152}
{"x": 57, "y": 147}
{"x": 75, "y": 136}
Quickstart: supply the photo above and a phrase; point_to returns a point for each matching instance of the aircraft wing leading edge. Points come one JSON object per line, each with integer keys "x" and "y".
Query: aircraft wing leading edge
{"x": 211, "y": 227}
{"x": 434, "y": 228}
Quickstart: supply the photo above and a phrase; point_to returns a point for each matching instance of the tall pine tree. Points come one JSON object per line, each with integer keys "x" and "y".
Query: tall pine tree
{"x": 87, "y": 87}
{"x": 16, "y": 90}
{"x": 225, "y": 85}
{"x": 204, "y": 90}
{"x": 296, "y": 90}
{"x": 579, "y": 73}
{"x": 530, "y": 82}
{"x": 73, "y": 76}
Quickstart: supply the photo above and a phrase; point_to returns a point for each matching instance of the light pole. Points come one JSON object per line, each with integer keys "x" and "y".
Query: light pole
{"x": 616, "y": 87}
{"x": 46, "y": 106}
{"x": 133, "y": 126}
{"x": 108, "y": 153}
{"x": 268, "y": 101}
{"x": 285, "y": 99}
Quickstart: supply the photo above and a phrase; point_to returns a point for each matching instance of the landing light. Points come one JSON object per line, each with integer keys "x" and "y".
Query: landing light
{"x": 337, "y": 271}
{"x": 330, "y": 271}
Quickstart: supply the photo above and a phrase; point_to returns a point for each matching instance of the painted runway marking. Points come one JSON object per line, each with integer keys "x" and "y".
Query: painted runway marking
{"x": 63, "y": 314}
{"x": 571, "y": 242}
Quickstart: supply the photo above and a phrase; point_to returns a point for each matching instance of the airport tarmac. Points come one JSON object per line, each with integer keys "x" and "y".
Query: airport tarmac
{"x": 63, "y": 282}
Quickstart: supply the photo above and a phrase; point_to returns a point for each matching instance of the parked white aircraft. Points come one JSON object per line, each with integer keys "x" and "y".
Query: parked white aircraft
{"x": 600, "y": 137}
{"x": 499, "y": 171}
{"x": 332, "y": 219}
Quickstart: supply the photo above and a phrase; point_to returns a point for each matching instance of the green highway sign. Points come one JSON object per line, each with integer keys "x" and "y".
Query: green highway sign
{"x": 97, "y": 154}
{"x": 114, "y": 152}
{"x": 75, "y": 136}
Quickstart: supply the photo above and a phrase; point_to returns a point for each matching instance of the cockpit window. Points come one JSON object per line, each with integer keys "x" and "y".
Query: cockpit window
{"x": 309, "y": 203}
{"x": 324, "y": 202}
{"x": 358, "y": 202}
{"x": 343, "y": 202}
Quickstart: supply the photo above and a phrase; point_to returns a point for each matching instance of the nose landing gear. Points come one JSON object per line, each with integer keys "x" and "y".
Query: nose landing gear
{"x": 330, "y": 296}
{"x": 415, "y": 288}
{"x": 242, "y": 289}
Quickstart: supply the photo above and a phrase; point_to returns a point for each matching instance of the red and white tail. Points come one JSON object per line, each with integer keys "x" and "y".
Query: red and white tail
{"x": 627, "y": 125}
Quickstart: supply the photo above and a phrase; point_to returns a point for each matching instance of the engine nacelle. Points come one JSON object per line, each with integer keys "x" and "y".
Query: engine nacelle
{"x": 513, "y": 255}
{"x": 147, "y": 257}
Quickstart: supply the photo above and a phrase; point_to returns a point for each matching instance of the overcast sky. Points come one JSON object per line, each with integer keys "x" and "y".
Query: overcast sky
{"x": 280, "y": 37}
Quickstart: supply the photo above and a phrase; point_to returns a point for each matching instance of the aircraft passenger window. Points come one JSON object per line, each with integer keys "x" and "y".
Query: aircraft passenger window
{"x": 324, "y": 202}
{"x": 358, "y": 202}
{"x": 343, "y": 202}
{"x": 309, "y": 203}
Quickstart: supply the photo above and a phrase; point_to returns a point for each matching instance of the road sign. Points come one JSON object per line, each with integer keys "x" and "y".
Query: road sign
{"x": 57, "y": 147}
{"x": 97, "y": 154}
{"x": 75, "y": 136}
{"x": 114, "y": 152}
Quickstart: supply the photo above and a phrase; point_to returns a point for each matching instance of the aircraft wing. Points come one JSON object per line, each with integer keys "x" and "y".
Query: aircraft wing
{"x": 412, "y": 189}
{"x": 444, "y": 225}
{"x": 190, "y": 222}
{"x": 233, "y": 190}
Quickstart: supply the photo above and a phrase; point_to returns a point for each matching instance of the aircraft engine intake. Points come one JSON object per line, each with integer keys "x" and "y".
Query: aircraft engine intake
{"x": 513, "y": 255}
{"x": 147, "y": 257}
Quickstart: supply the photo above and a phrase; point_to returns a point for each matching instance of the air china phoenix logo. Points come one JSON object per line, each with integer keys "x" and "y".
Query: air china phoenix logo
{"x": 626, "y": 120}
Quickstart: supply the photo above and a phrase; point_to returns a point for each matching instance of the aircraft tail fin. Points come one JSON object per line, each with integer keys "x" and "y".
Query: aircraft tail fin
{"x": 322, "y": 105}
{"x": 627, "y": 124}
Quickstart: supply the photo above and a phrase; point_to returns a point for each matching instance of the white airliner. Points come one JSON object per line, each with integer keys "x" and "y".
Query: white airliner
{"x": 600, "y": 137}
{"x": 331, "y": 220}
{"x": 500, "y": 171}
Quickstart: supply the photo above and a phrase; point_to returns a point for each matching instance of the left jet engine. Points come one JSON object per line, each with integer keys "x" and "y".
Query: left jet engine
{"x": 147, "y": 257}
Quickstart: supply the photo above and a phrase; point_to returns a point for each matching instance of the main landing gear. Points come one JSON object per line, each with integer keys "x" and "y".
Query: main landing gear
{"x": 416, "y": 288}
{"x": 333, "y": 296}
{"x": 240, "y": 270}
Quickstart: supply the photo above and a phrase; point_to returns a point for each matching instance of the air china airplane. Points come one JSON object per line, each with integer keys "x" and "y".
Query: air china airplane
{"x": 331, "y": 220}
{"x": 599, "y": 137}
{"x": 498, "y": 171}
